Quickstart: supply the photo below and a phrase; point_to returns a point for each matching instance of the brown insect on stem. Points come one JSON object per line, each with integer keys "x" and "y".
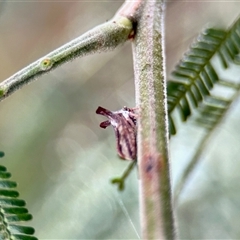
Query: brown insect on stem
{"x": 124, "y": 124}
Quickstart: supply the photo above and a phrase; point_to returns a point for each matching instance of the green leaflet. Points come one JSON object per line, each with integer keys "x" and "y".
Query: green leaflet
{"x": 12, "y": 210}
{"x": 195, "y": 76}
{"x": 192, "y": 82}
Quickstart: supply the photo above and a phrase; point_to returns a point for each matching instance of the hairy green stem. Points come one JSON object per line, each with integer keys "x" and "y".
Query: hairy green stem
{"x": 101, "y": 38}
{"x": 153, "y": 159}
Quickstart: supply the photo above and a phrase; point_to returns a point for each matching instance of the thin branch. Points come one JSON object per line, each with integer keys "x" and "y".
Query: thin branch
{"x": 120, "y": 181}
{"x": 104, "y": 37}
{"x": 153, "y": 159}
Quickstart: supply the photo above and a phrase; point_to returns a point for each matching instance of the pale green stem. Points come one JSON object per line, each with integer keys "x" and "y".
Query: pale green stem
{"x": 157, "y": 219}
{"x": 104, "y": 37}
{"x": 121, "y": 180}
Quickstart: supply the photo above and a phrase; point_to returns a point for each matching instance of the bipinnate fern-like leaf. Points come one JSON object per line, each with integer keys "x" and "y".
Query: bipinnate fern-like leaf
{"x": 195, "y": 75}
{"x": 12, "y": 210}
{"x": 193, "y": 80}
{"x": 210, "y": 115}
{"x": 230, "y": 49}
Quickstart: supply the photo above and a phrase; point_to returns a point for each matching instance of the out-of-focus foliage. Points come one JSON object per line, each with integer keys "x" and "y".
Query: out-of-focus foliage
{"x": 195, "y": 76}
{"x": 13, "y": 211}
{"x": 50, "y": 127}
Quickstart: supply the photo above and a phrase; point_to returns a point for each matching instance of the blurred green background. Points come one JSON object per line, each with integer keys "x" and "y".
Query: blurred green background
{"x": 60, "y": 157}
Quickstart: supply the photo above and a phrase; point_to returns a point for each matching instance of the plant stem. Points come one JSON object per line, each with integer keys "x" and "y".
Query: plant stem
{"x": 131, "y": 9}
{"x": 153, "y": 159}
{"x": 104, "y": 37}
{"x": 121, "y": 180}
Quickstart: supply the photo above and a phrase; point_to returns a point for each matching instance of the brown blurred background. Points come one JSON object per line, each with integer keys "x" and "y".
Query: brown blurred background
{"x": 60, "y": 157}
